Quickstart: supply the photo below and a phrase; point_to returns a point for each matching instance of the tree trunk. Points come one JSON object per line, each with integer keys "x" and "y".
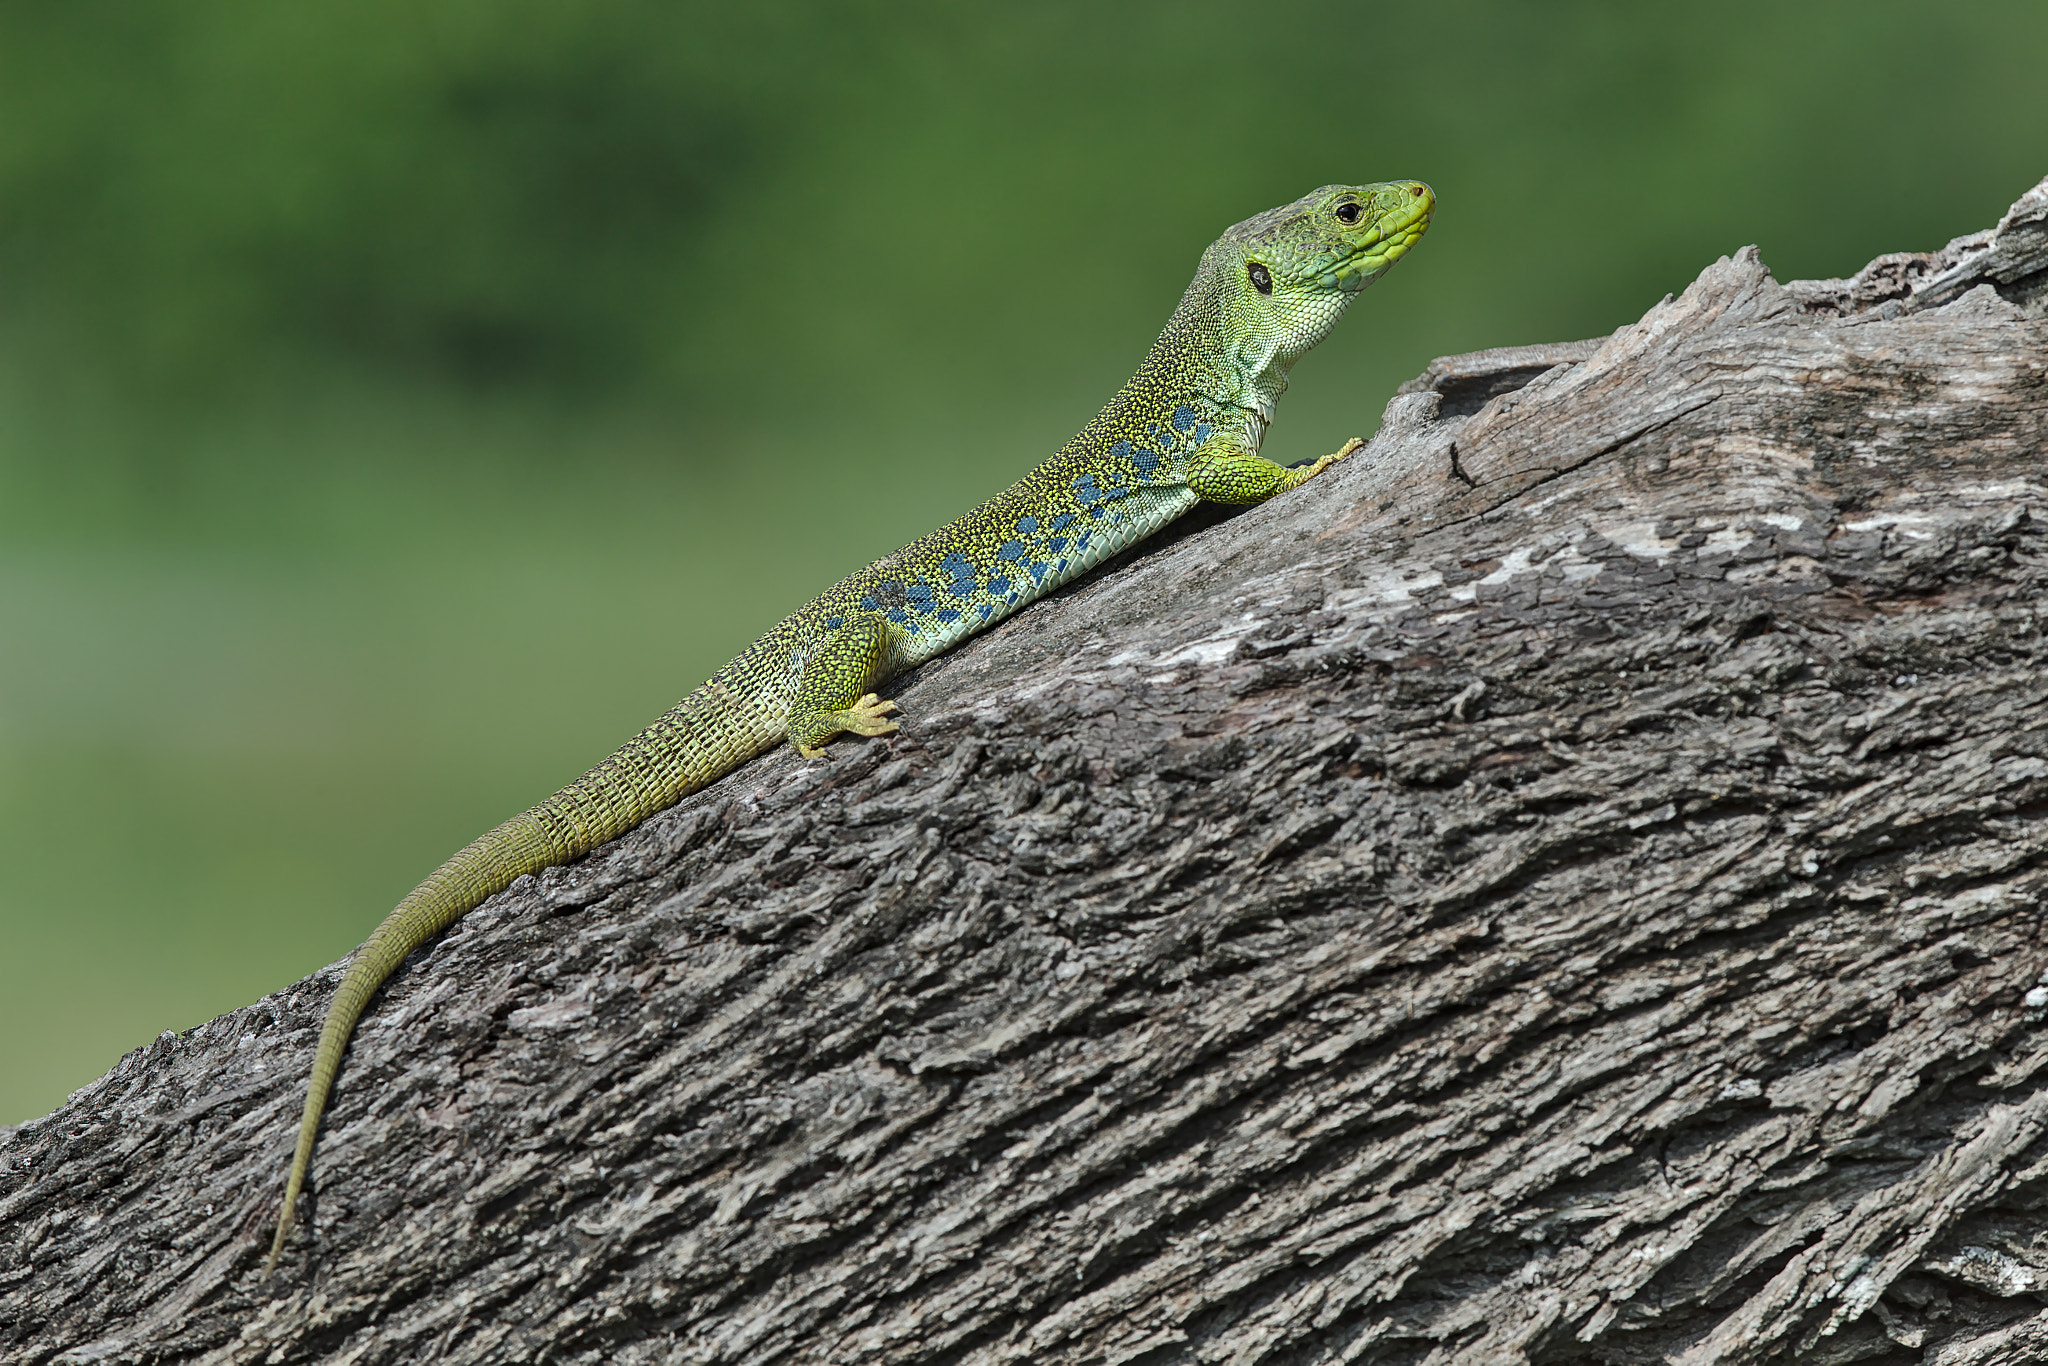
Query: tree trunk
{"x": 1565, "y": 886}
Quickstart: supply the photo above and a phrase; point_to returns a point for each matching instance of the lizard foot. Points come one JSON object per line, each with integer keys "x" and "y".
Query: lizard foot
{"x": 1351, "y": 447}
{"x": 869, "y": 716}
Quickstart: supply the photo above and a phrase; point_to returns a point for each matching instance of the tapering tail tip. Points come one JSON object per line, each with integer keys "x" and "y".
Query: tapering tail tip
{"x": 284, "y": 1226}
{"x": 302, "y": 1160}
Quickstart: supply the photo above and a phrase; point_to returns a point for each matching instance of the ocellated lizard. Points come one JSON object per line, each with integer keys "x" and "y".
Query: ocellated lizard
{"x": 1186, "y": 427}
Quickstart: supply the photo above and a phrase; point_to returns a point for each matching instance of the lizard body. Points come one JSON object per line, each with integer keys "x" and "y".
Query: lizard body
{"x": 1186, "y": 427}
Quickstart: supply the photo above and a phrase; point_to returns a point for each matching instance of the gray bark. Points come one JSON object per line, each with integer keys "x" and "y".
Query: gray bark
{"x": 1564, "y": 887}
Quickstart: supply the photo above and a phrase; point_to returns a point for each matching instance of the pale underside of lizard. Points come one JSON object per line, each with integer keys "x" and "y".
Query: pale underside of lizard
{"x": 1186, "y": 427}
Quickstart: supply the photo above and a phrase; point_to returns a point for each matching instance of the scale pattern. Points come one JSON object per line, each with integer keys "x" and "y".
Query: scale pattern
{"x": 1187, "y": 426}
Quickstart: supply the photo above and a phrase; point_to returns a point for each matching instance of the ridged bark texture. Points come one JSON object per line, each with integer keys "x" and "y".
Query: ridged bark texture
{"x": 1564, "y": 886}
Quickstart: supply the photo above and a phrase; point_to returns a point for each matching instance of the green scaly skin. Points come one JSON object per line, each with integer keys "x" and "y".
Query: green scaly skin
{"x": 1186, "y": 427}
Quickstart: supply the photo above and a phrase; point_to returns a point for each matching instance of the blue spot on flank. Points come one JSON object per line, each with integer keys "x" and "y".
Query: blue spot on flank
{"x": 1010, "y": 550}
{"x": 898, "y": 614}
{"x": 1038, "y": 573}
{"x": 1026, "y": 525}
{"x": 1062, "y": 522}
{"x": 1183, "y": 418}
{"x": 1145, "y": 460}
{"x": 947, "y": 614}
{"x": 1090, "y": 493}
{"x": 1063, "y": 566}
{"x": 867, "y": 600}
{"x": 919, "y": 592}
{"x": 834, "y": 623}
{"x": 1082, "y": 544}
{"x": 1202, "y": 432}
{"x": 999, "y": 585}
{"x": 1121, "y": 450}
{"x": 1056, "y": 544}
{"x": 985, "y": 611}
{"x": 956, "y": 568}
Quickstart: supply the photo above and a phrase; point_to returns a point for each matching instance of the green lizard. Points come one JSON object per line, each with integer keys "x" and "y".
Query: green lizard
{"x": 1186, "y": 427}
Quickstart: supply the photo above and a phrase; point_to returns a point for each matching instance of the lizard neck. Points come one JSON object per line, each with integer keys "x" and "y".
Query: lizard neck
{"x": 1202, "y": 378}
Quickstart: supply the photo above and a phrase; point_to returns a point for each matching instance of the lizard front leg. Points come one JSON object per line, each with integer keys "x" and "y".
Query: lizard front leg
{"x": 832, "y": 696}
{"x": 1222, "y": 472}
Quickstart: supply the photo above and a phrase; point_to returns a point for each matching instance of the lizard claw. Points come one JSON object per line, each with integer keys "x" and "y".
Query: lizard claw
{"x": 1351, "y": 447}
{"x": 868, "y": 716}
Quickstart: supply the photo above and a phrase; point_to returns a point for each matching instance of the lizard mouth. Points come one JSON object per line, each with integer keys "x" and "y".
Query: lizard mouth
{"x": 1386, "y": 242}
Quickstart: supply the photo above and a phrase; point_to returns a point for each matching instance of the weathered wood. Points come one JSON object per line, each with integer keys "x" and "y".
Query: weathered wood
{"x": 1564, "y": 887}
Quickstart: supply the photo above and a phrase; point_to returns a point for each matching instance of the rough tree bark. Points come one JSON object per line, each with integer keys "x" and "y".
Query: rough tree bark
{"x": 1564, "y": 887}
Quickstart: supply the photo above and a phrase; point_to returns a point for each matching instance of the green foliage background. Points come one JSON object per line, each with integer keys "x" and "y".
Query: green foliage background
{"x": 401, "y": 403}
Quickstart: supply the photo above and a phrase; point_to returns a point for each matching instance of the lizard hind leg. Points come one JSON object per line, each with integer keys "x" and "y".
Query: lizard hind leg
{"x": 833, "y": 697}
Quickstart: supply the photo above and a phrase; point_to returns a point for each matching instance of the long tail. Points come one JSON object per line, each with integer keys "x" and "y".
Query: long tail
{"x": 701, "y": 739}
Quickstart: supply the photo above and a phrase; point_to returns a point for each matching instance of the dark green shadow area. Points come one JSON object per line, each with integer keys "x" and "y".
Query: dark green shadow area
{"x": 399, "y": 406}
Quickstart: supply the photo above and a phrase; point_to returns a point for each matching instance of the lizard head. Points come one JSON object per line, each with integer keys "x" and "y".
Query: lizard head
{"x": 1286, "y": 276}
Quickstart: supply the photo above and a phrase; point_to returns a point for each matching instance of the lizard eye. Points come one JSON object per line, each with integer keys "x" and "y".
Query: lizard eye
{"x": 1262, "y": 279}
{"x": 1348, "y": 213}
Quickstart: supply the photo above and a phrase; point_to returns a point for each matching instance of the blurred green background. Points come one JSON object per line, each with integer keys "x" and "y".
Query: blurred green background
{"x": 400, "y": 404}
